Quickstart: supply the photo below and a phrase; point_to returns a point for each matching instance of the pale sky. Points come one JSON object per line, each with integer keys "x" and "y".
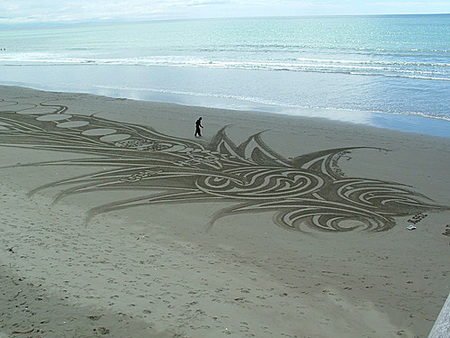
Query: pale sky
{"x": 68, "y": 11}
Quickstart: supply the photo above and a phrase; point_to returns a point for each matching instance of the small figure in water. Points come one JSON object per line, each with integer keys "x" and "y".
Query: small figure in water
{"x": 198, "y": 125}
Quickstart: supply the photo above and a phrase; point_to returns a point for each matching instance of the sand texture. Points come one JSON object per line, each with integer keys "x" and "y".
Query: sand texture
{"x": 116, "y": 221}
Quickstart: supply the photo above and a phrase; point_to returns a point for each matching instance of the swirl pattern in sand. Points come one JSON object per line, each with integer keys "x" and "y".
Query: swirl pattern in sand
{"x": 306, "y": 192}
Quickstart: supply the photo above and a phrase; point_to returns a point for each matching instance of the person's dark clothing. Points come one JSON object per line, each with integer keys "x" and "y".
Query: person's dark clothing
{"x": 198, "y": 125}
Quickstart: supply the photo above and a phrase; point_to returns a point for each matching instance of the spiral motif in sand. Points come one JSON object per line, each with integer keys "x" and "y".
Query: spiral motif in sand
{"x": 261, "y": 183}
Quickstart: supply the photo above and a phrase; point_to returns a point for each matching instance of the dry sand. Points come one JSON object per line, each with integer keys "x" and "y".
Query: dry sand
{"x": 164, "y": 270}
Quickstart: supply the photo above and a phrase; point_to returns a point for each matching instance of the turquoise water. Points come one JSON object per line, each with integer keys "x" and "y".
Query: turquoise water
{"x": 357, "y": 68}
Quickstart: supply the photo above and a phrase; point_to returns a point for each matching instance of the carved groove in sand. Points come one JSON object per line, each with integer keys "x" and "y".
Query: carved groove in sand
{"x": 309, "y": 191}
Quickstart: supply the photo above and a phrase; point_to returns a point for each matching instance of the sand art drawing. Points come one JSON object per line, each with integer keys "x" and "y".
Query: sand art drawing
{"x": 309, "y": 191}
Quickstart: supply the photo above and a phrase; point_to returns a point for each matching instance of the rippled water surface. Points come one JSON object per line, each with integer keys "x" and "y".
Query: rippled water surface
{"x": 359, "y": 64}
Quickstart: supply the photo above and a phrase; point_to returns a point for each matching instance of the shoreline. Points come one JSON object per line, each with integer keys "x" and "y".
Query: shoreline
{"x": 103, "y": 85}
{"x": 272, "y": 118}
{"x": 164, "y": 269}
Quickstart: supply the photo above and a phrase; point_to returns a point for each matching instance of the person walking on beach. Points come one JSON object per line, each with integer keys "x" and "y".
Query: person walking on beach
{"x": 198, "y": 125}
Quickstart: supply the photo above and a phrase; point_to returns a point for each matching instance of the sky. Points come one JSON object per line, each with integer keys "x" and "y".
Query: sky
{"x": 71, "y": 11}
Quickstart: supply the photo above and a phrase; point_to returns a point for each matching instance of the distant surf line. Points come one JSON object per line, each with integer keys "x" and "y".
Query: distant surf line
{"x": 351, "y": 67}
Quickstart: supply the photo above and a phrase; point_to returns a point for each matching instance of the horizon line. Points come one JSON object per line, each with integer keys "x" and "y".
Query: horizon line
{"x": 144, "y": 20}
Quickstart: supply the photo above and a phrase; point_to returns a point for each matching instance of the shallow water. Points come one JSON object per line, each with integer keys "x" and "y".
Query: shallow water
{"x": 381, "y": 70}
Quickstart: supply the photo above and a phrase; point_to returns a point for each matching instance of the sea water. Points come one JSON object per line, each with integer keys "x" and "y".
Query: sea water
{"x": 387, "y": 71}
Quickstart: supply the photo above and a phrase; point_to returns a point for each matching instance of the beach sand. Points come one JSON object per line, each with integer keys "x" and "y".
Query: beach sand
{"x": 191, "y": 253}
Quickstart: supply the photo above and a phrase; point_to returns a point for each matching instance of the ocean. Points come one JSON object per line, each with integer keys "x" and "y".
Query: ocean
{"x": 387, "y": 71}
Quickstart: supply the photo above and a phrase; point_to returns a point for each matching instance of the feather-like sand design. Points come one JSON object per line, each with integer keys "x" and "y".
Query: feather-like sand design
{"x": 309, "y": 191}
